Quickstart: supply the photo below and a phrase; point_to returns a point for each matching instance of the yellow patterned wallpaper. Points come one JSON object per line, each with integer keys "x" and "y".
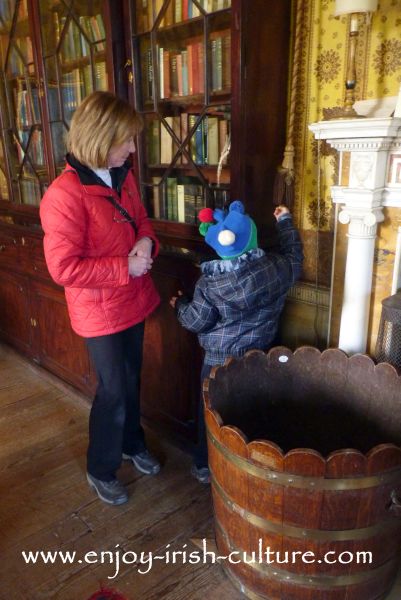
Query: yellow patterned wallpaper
{"x": 321, "y": 77}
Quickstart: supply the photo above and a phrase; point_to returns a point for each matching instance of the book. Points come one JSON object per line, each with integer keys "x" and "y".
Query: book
{"x": 157, "y": 209}
{"x": 217, "y": 64}
{"x": 166, "y": 142}
{"x": 173, "y": 75}
{"x": 185, "y": 83}
{"x": 172, "y": 207}
{"x": 153, "y": 142}
{"x": 178, "y": 11}
{"x": 226, "y": 62}
{"x": 212, "y": 140}
{"x": 166, "y": 74}
{"x": 179, "y": 74}
{"x": 181, "y": 202}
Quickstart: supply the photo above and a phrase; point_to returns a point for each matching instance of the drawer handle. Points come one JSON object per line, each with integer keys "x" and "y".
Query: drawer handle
{"x": 2, "y": 247}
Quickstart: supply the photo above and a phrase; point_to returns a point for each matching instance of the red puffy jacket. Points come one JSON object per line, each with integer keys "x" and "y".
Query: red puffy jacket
{"x": 86, "y": 247}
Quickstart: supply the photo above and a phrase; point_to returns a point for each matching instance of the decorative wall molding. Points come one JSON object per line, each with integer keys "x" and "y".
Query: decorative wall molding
{"x": 308, "y": 293}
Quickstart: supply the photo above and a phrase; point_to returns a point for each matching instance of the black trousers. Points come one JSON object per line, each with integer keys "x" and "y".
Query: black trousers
{"x": 200, "y": 453}
{"x": 114, "y": 421}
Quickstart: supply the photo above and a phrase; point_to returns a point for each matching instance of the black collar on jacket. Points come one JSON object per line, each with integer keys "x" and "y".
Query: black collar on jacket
{"x": 89, "y": 177}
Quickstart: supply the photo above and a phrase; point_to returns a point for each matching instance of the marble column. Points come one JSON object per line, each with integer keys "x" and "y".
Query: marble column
{"x": 364, "y": 145}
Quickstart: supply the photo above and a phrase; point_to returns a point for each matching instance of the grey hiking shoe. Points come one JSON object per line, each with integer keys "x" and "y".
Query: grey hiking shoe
{"x": 202, "y": 474}
{"x": 112, "y": 492}
{"x": 144, "y": 462}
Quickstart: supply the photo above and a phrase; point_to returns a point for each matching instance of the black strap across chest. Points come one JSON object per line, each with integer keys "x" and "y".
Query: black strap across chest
{"x": 118, "y": 207}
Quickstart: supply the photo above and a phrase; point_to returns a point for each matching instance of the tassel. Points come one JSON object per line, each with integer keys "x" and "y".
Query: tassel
{"x": 283, "y": 190}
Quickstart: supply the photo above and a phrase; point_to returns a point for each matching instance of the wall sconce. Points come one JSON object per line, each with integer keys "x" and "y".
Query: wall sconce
{"x": 353, "y": 8}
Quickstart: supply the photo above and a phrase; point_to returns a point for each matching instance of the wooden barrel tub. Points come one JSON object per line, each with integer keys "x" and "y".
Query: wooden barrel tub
{"x": 305, "y": 457}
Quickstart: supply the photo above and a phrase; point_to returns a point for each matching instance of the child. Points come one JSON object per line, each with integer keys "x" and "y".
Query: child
{"x": 238, "y": 300}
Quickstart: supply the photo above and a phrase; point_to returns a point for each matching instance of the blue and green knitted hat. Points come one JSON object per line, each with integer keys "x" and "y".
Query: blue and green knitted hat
{"x": 230, "y": 233}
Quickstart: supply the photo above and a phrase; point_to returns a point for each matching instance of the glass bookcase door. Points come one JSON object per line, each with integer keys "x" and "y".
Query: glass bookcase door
{"x": 23, "y": 138}
{"x": 184, "y": 92}
{"x": 74, "y": 52}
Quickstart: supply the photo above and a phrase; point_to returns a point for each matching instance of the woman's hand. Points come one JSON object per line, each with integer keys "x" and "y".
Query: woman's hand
{"x": 143, "y": 247}
{"x": 139, "y": 265}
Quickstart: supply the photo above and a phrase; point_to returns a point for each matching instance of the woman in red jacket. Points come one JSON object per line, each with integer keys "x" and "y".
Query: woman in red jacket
{"x": 99, "y": 245}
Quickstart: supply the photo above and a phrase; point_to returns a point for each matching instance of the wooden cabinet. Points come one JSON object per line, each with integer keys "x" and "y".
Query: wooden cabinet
{"x": 15, "y": 319}
{"x": 57, "y": 347}
{"x": 33, "y": 311}
{"x": 209, "y": 78}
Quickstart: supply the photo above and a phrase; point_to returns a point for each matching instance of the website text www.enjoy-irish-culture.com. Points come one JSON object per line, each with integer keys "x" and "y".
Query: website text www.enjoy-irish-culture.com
{"x": 144, "y": 561}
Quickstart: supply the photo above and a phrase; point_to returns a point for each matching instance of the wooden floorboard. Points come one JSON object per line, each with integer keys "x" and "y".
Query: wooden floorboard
{"x": 46, "y": 505}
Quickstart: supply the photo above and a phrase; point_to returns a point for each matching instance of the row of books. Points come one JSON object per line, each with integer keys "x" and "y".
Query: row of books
{"x": 30, "y": 190}
{"x": 26, "y": 103}
{"x": 75, "y": 41}
{"x": 177, "y": 199}
{"x": 77, "y": 83}
{"x": 185, "y": 9}
{"x": 182, "y": 72}
{"x": 176, "y": 12}
{"x": 205, "y": 144}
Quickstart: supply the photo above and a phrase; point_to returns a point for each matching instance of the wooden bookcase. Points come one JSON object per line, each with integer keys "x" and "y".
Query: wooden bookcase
{"x": 210, "y": 80}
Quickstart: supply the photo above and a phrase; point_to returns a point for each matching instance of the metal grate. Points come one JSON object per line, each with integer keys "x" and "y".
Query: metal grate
{"x": 388, "y": 346}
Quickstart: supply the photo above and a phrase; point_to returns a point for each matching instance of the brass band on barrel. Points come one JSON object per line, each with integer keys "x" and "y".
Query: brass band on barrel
{"x": 301, "y": 532}
{"x": 297, "y": 481}
{"x": 316, "y": 581}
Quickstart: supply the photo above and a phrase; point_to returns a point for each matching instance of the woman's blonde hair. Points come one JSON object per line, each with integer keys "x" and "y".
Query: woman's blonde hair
{"x": 101, "y": 121}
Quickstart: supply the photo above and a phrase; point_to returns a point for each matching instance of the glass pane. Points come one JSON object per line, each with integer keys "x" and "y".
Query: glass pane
{"x": 75, "y": 63}
{"x": 59, "y": 132}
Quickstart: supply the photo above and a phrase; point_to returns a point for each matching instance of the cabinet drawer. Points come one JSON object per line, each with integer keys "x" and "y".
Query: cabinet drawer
{"x": 32, "y": 256}
{"x": 9, "y": 250}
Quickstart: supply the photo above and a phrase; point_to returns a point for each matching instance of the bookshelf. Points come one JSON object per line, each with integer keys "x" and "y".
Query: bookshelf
{"x": 210, "y": 82}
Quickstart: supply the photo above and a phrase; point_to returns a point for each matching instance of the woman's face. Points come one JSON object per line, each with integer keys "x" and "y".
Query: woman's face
{"x": 119, "y": 154}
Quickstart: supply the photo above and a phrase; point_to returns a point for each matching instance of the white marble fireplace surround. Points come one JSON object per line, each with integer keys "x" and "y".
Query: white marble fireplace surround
{"x": 369, "y": 180}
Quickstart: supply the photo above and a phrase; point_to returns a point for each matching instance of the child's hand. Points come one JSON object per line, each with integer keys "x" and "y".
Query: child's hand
{"x": 281, "y": 210}
{"x": 174, "y": 299}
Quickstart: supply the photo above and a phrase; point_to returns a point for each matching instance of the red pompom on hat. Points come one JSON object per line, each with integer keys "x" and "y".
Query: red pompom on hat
{"x": 205, "y": 215}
